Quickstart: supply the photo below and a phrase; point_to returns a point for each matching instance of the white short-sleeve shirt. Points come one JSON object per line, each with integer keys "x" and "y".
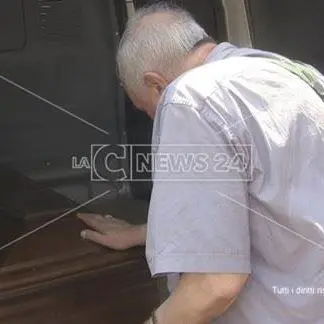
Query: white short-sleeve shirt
{"x": 239, "y": 185}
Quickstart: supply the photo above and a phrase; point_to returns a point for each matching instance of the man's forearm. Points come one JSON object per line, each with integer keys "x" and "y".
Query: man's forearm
{"x": 197, "y": 300}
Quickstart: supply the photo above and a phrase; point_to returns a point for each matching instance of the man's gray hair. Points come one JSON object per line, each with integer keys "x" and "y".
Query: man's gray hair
{"x": 156, "y": 44}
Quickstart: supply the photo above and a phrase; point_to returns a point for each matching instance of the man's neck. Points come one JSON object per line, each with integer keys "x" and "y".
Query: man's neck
{"x": 196, "y": 58}
{"x": 199, "y": 56}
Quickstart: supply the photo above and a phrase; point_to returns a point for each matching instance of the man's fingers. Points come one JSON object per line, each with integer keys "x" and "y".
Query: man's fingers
{"x": 108, "y": 231}
{"x": 97, "y": 222}
{"x": 116, "y": 221}
{"x": 111, "y": 219}
{"x": 87, "y": 216}
{"x": 101, "y": 223}
{"x": 94, "y": 237}
{"x": 105, "y": 240}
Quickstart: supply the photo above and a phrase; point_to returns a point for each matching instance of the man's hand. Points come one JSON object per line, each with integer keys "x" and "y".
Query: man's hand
{"x": 111, "y": 232}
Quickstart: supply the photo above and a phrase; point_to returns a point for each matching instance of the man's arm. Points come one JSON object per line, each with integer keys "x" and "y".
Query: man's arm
{"x": 200, "y": 297}
{"x": 198, "y": 223}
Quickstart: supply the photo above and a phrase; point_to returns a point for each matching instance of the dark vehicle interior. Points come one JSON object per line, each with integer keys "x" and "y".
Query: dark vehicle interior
{"x": 292, "y": 28}
{"x": 59, "y": 97}
{"x": 60, "y": 101}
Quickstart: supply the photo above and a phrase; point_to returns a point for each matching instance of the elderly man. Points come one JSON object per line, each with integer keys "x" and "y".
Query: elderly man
{"x": 242, "y": 246}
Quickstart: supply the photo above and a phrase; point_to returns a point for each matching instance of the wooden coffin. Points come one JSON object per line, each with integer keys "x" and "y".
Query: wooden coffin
{"x": 53, "y": 276}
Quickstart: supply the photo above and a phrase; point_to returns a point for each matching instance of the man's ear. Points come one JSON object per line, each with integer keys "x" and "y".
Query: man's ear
{"x": 155, "y": 81}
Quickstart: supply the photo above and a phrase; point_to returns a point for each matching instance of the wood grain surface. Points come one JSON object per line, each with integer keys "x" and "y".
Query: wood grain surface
{"x": 55, "y": 277}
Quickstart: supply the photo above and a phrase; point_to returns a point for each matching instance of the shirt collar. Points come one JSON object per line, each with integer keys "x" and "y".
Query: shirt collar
{"x": 221, "y": 51}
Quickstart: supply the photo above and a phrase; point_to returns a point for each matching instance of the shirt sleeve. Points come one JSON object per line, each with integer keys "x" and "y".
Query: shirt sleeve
{"x": 198, "y": 216}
